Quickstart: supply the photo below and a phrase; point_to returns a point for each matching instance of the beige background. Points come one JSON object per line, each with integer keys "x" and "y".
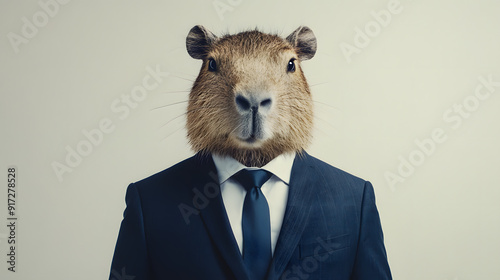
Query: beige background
{"x": 440, "y": 223}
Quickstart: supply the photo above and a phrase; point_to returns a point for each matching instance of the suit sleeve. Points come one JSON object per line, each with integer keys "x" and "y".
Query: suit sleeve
{"x": 371, "y": 258}
{"x": 130, "y": 260}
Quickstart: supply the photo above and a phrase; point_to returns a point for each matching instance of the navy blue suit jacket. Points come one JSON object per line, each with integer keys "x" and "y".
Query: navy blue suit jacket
{"x": 175, "y": 227}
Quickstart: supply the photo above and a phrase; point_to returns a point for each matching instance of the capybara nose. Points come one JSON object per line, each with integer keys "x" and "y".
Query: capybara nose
{"x": 253, "y": 103}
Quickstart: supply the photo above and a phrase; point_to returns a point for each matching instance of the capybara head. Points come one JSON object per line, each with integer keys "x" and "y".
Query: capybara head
{"x": 250, "y": 100}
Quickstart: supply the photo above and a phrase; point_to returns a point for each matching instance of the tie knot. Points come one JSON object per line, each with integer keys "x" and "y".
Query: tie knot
{"x": 252, "y": 178}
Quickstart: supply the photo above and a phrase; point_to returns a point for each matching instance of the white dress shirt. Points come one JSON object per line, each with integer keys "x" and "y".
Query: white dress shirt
{"x": 275, "y": 190}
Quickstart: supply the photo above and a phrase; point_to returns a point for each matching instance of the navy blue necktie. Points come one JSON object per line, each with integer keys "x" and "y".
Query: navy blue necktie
{"x": 256, "y": 223}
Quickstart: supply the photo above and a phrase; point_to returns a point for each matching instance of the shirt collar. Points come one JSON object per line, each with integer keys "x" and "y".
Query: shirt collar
{"x": 281, "y": 166}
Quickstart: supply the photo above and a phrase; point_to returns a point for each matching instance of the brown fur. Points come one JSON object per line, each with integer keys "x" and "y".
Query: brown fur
{"x": 252, "y": 64}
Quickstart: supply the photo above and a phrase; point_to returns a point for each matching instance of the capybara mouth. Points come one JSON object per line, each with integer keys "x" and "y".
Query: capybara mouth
{"x": 250, "y": 140}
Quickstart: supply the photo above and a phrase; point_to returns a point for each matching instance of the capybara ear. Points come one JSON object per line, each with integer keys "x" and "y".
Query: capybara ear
{"x": 304, "y": 41}
{"x": 198, "y": 42}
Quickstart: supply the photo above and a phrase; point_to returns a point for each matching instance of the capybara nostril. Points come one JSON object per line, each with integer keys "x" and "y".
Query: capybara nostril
{"x": 245, "y": 104}
{"x": 266, "y": 103}
{"x": 242, "y": 103}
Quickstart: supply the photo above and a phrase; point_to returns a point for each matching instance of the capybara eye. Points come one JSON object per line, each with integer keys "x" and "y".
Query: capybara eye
{"x": 212, "y": 65}
{"x": 291, "y": 65}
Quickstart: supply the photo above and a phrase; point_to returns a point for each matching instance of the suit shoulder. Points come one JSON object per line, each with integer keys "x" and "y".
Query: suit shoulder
{"x": 334, "y": 174}
{"x": 179, "y": 173}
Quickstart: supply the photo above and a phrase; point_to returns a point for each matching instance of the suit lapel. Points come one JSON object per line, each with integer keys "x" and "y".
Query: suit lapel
{"x": 302, "y": 183}
{"x": 215, "y": 219}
